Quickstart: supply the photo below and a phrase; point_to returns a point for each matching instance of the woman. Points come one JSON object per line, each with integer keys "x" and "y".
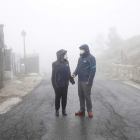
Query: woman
{"x": 60, "y": 80}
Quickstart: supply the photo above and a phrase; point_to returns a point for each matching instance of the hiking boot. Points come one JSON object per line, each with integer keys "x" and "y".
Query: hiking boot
{"x": 80, "y": 112}
{"x": 90, "y": 114}
{"x": 64, "y": 112}
{"x": 57, "y": 113}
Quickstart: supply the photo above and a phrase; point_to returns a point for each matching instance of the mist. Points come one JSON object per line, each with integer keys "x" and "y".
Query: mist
{"x": 53, "y": 25}
{"x": 41, "y": 99}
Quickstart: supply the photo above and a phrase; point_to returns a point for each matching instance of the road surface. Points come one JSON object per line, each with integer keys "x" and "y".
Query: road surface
{"x": 116, "y": 109}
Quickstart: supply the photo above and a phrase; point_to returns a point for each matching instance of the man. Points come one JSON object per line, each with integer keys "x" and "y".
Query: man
{"x": 61, "y": 76}
{"x": 85, "y": 70}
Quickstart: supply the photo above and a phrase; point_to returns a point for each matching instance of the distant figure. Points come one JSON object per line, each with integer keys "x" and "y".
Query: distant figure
{"x": 61, "y": 75}
{"x": 85, "y": 70}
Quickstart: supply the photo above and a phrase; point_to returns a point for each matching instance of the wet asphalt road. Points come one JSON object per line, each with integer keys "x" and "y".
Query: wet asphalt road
{"x": 116, "y": 108}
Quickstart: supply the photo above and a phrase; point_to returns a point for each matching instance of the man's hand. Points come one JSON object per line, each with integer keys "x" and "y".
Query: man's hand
{"x": 73, "y": 75}
{"x": 87, "y": 83}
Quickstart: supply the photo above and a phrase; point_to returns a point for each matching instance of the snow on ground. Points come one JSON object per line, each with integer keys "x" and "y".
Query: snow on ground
{"x": 19, "y": 87}
{"x": 8, "y": 104}
{"x": 15, "y": 89}
{"x": 132, "y": 84}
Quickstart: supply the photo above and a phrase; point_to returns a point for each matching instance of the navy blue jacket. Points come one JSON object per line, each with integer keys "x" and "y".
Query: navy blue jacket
{"x": 61, "y": 74}
{"x": 86, "y": 66}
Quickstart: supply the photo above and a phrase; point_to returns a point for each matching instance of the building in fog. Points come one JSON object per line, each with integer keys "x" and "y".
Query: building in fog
{"x": 12, "y": 64}
{"x": 32, "y": 63}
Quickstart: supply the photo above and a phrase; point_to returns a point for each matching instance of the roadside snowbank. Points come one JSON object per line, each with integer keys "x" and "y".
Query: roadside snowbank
{"x": 19, "y": 87}
{"x": 8, "y": 104}
{"x": 15, "y": 89}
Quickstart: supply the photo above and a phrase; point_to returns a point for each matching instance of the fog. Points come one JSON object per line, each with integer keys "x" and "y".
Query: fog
{"x": 51, "y": 25}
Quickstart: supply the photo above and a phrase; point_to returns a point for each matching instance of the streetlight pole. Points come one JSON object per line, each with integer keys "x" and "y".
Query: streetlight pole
{"x": 24, "y": 35}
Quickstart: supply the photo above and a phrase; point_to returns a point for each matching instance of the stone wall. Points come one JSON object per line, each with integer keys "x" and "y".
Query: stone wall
{"x": 126, "y": 72}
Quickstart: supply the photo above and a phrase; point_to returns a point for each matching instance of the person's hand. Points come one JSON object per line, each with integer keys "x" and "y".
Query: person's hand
{"x": 73, "y": 75}
{"x": 87, "y": 83}
{"x": 73, "y": 82}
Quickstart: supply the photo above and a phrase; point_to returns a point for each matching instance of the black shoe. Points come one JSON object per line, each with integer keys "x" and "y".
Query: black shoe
{"x": 57, "y": 113}
{"x": 64, "y": 112}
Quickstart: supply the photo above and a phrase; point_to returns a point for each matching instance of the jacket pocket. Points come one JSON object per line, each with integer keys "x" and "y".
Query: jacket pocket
{"x": 87, "y": 72}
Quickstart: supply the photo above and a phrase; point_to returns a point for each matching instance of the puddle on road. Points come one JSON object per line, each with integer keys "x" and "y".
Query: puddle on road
{"x": 8, "y": 104}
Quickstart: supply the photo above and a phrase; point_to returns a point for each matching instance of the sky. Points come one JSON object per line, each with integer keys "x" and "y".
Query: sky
{"x": 51, "y": 25}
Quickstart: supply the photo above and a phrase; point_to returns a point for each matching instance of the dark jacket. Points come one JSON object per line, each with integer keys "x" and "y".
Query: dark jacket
{"x": 61, "y": 73}
{"x": 86, "y": 66}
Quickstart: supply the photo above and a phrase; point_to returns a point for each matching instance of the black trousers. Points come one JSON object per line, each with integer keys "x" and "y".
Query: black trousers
{"x": 61, "y": 94}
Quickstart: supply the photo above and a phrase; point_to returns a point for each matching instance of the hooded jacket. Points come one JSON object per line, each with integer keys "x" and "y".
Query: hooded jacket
{"x": 86, "y": 66}
{"x": 61, "y": 73}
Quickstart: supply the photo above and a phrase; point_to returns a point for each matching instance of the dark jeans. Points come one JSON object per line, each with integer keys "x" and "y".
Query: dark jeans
{"x": 61, "y": 93}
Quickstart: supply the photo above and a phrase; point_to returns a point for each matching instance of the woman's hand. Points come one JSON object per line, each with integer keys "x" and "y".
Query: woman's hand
{"x": 73, "y": 82}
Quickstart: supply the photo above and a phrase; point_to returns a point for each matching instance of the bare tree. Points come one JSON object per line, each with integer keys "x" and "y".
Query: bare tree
{"x": 114, "y": 40}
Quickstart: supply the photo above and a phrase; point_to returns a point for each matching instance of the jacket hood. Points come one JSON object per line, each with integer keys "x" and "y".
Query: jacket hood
{"x": 60, "y": 53}
{"x": 86, "y": 48}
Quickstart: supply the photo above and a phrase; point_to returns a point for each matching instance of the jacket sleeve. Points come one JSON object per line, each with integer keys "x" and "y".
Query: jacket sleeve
{"x": 76, "y": 70}
{"x": 71, "y": 78}
{"x": 54, "y": 71}
{"x": 92, "y": 62}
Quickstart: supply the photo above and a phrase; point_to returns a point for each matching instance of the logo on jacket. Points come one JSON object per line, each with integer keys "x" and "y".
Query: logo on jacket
{"x": 84, "y": 61}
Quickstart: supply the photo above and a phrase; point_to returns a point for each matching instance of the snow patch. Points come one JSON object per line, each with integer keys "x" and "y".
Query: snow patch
{"x": 33, "y": 74}
{"x": 8, "y": 104}
{"x": 17, "y": 82}
{"x": 132, "y": 84}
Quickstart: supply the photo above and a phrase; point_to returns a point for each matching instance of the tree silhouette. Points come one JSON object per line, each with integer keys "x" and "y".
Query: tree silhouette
{"x": 114, "y": 40}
